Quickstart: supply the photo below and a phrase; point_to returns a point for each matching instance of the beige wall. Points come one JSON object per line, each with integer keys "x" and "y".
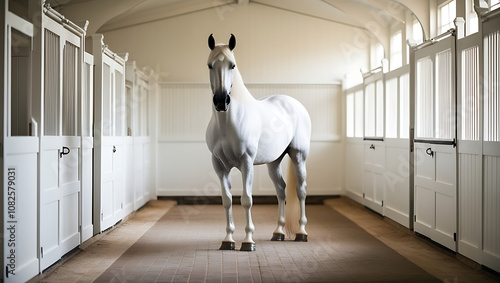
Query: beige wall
{"x": 273, "y": 46}
{"x": 277, "y": 51}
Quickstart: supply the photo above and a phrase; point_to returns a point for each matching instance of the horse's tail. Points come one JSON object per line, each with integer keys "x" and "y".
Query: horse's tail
{"x": 292, "y": 207}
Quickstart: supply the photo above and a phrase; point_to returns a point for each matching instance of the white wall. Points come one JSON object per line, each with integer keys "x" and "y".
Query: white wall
{"x": 185, "y": 166}
{"x": 277, "y": 52}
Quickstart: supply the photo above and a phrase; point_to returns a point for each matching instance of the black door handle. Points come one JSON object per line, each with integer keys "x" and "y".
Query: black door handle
{"x": 429, "y": 152}
{"x": 372, "y": 147}
{"x": 114, "y": 149}
{"x": 64, "y": 151}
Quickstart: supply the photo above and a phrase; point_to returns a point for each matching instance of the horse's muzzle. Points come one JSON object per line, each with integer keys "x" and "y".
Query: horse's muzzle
{"x": 221, "y": 102}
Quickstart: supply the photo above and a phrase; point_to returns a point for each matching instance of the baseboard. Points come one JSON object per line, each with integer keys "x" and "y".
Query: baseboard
{"x": 217, "y": 200}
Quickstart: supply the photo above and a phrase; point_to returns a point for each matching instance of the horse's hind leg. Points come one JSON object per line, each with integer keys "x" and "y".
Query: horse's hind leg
{"x": 225, "y": 180}
{"x": 299, "y": 163}
{"x": 274, "y": 170}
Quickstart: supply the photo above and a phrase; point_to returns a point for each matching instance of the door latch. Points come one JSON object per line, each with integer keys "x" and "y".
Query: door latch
{"x": 64, "y": 151}
{"x": 429, "y": 152}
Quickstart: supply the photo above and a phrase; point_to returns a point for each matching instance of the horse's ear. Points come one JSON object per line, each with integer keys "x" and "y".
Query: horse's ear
{"x": 232, "y": 42}
{"x": 211, "y": 42}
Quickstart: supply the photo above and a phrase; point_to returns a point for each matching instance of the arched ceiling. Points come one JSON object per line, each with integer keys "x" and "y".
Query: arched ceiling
{"x": 373, "y": 16}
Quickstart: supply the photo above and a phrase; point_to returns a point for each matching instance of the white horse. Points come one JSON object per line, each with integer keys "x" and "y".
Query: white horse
{"x": 244, "y": 132}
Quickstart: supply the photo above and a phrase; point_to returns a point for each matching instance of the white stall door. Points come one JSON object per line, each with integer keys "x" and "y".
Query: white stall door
{"x": 60, "y": 145}
{"x": 112, "y": 182}
{"x": 20, "y": 158}
{"x": 374, "y": 146}
{"x": 374, "y": 169}
{"x": 435, "y": 192}
{"x": 435, "y": 150}
{"x": 397, "y": 146}
{"x": 112, "y": 148}
{"x": 491, "y": 144}
{"x": 87, "y": 148}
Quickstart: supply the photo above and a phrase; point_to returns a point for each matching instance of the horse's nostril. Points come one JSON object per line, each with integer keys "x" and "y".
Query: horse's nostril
{"x": 228, "y": 100}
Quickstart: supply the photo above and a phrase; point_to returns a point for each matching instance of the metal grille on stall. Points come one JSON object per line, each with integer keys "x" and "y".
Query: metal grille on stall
{"x": 60, "y": 136}
{"x": 109, "y": 132}
{"x": 20, "y": 152}
{"x": 435, "y": 141}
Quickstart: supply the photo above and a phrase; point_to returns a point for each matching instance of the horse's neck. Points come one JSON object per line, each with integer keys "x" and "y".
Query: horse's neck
{"x": 239, "y": 91}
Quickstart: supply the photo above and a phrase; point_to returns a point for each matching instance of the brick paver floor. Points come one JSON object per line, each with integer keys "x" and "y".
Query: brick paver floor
{"x": 164, "y": 242}
{"x": 183, "y": 247}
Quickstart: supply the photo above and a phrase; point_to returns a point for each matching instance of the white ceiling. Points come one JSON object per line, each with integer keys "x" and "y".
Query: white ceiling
{"x": 111, "y": 15}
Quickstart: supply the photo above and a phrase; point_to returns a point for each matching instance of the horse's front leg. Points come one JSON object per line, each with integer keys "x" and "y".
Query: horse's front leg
{"x": 227, "y": 202}
{"x": 246, "y": 201}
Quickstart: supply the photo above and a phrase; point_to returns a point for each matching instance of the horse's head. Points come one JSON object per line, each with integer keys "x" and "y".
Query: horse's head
{"x": 221, "y": 64}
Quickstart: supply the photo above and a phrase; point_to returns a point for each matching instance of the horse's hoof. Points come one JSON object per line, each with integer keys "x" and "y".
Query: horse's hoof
{"x": 278, "y": 237}
{"x": 227, "y": 246}
{"x": 300, "y": 238}
{"x": 248, "y": 247}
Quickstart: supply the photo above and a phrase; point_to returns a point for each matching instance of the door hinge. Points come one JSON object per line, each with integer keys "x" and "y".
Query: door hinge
{"x": 41, "y": 252}
{"x": 455, "y": 237}
{"x": 121, "y": 204}
{"x": 415, "y": 217}
{"x": 363, "y": 195}
{"x": 382, "y": 203}
{"x": 79, "y": 228}
{"x": 102, "y": 216}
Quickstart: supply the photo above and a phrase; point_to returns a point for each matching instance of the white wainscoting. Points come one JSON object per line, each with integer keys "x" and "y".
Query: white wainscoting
{"x": 184, "y": 161}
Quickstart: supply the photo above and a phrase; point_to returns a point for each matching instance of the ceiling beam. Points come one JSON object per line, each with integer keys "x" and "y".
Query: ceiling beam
{"x": 308, "y": 14}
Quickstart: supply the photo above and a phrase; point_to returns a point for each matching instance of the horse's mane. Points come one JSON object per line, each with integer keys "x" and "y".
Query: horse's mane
{"x": 221, "y": 49}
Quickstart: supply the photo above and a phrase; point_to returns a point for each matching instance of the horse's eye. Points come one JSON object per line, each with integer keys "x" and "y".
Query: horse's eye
{"x": 232, "y": 67}
{"x": 210, "y": 66}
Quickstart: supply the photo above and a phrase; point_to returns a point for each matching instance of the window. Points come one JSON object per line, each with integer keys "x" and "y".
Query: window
{"x": 377, "y": 54}
{"x": 494, "y": 4}
{"x": 396, "y": 51}
{"x": 472, "y": 22}
{"x": 447, "y": 13}
{"x": 418, "y": 35}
